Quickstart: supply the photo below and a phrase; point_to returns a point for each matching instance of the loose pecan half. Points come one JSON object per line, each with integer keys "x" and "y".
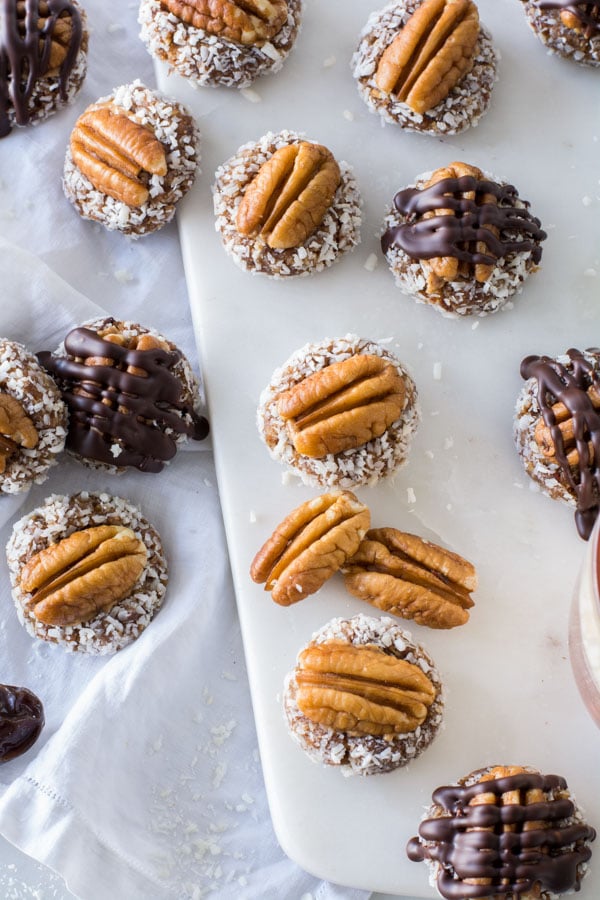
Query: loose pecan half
{"x": 249, "y": 22}
{"x": 403, "y": 574}
{"x": 310, "y": 545}
{"x": 287, "y": 199}
{"x": 343, "y": 406}
{"x": 86, "y": 573}
{"x": 361, "y": 689}
{"x": 431, "y": 53}
{"x": 16, "y": 429}
{"x": 117, "y": 154}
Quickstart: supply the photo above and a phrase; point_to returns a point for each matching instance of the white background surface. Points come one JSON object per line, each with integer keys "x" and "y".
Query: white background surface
{"x": 511, "y": 696}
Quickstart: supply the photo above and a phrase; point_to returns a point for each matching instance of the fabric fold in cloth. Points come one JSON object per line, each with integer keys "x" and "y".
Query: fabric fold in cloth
{"x": 146, "y": 781}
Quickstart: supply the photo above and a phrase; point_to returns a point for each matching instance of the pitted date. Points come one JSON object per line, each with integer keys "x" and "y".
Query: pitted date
{"x": 21, "y": 720}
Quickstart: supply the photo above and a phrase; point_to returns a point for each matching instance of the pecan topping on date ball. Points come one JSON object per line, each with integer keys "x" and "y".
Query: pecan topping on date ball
{"x": 21, "y": 721}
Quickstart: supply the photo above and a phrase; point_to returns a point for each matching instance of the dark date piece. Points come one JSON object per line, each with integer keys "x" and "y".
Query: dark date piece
{"x": 21, "y": 721}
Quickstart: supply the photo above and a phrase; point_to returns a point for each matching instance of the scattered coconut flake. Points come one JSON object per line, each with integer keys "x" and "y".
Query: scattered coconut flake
{"x": 371, "y": 262}
{"x": 448, "y": 443}
{"x": 329, "y": 62}
{"x": 590, "y": 273}
{"x": 587, "y": 201}
{"x": 475, "y": 325}
{"x": 348, "y": 115}
{"x": 252, "y": 517}
{"x": 251, "y": 95}
{"x": 115, "y": 26}
{"x": 123, "y": 276}
{"x": 429, "y": 454}
{"x": 411, "y": 496}
{"x": 437, "y": 371}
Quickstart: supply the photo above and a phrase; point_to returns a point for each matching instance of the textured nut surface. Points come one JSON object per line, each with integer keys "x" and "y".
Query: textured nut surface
{"x": 566, "y": 424}
{"x": 310, "y": 545}
{"x": 85, "y": 573}
{"x": 343, "y": 406}
{"x": 361, "y": 689}
{"x": 430, "y": 54}
{"x": 404, "y": 574}
{"x": 571, "y": 19}
{"x": 290, "y": 194}
{"x": 250, "y": 22}
{"x": 116, "y": 154}
{"x": 60, "y": 36}
{"x": 16, "y": 429}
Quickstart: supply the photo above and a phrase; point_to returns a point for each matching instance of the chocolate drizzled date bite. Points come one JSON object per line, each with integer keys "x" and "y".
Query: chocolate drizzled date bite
{"x": 131, "y": 157}
{"x": 131, "y": 395}
{"x": 504, "y": 833}
{"x": 426, "y": 65}
{"x": 363, "y": 696}
{"x": 284, "y": 206}
{"x": 43, "y": 58}
{"x": 557, "y": 429}
{"x": 568, "y": 28}
{"x": 21, "y": 721}
{"x": 220, "y": 42}
{"x": 87, "y": 572}
{"x": 461, "y": 241}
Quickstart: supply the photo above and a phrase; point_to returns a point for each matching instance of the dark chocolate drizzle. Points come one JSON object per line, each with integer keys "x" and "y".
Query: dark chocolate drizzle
{"x": 21, "y": 720}
{"x": 587, "y": 12}
{"x": 25, "y": 54}
{"x": 514, "y": 860}
{"x": 108, "y": 403}
{"x": 457, "y": 235}
{"x": 569, "y": 385}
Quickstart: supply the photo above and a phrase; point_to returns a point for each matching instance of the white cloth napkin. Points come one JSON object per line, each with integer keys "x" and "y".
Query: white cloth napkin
{"x": 146, "y": 781}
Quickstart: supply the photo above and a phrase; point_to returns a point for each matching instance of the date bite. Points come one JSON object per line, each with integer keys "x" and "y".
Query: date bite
{"x": 339, "y": 413}
{"x": 426, "y": 65}
{"x": 568, "y": 28}
{"x": 557, "y": 429}
{"x": 43, "y": 59}
{"x": 284, "y": 206}
{"x": 21, "y": 721}
{"x": 227, "y": 43}
{"x": 363, "y": 697}
{"x": 132, "y": 395}
{"x": 87, "y": 572}
{"x": 504, "y": 832}
{"x": 132, "y": 156}
{"x": 461, "y": 241}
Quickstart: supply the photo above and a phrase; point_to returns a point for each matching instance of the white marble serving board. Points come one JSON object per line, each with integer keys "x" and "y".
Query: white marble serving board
{"x": 511, "y": 698}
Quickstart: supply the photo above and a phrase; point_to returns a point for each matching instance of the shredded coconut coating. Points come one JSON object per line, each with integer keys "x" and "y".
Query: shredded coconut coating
{"x": 364, "y": 465}
{"x": 462, "y": 108}
{"x": 359, "y": 754}
{"x": 547, "y": 474}
{"x": 46, "y": 96}
{"x": 434, "y": 811}
{"x": 190, "y": 387}
{"x": 207, "y": 59}
{"x": 175, "y": 128}
{"x": 464, "y": 297}
{"x": 338, "y": 233}
{"x": 59, "y": 517}
{"x": 23, "y": 378}
{"x": 560, "y": 40}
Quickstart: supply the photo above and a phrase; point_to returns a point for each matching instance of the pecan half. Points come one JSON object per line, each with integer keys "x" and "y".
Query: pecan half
{"x": 361, "y": 689}
{"x": 250, "y": 22}
{"x": 310, "y": 545}
{"x": 60, "y": 36}
{"x": 117, "y": 154}
{"x": 431, "y": 53}
{"x": 343, "y": 406}
{"x": 287, "y": 199}
{"x": 84, "y": 574}
{"x": 403, "y": 574}
{"x": 566, "y": 424}
{"x": 16, "y": 429}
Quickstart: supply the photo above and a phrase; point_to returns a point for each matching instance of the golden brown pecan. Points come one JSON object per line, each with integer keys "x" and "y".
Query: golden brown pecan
{"x": 250, "y": 22}
{"x": 16, "y": 429}
{"x": 86, "y": 573}
{"x": 60, "y": 36}
{"x": 404, "y": 574}
{"x": 564, "y": 420}
{"x": 310, "y": 545}
{"x": 287, "y": 199}
{"x": 361, "y": 689}
{"x": 587, "y": 24}
{"x": 343, "y": 406}
{"x": 431, "y": 53}
{"x": 116, "y": 154}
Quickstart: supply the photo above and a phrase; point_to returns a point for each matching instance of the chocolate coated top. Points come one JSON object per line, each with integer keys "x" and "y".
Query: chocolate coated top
{"x": 109, "y": 402}
{"x": 558, "y": 384}
{"x": 457, "y": 235}
{"x": 21, "y": 720}
{"x": 25, "y": 54}
{"x": 540, "y": 847}
{"x": 587, "y": 11}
